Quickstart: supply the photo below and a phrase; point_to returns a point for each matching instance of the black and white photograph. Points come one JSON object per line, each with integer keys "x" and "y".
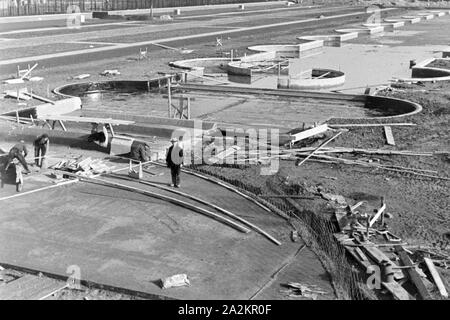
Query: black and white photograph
{"x": 225, "y": 158}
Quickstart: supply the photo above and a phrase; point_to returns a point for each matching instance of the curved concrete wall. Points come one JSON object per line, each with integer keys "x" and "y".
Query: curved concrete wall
{"x": 420, "y": 72}
{"x": 332, "y": 39}
{"x": 331, "y": 78}
{"x": 198, "y": 66}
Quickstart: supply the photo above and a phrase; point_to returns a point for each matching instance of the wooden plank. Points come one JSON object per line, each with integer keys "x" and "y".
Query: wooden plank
{"x": 397, "y": 291}
{"x": 377, "y": 215}
{"x": 88, "y": 120}
{"x": 39, "y": 97}
{"x": 436, "y": 277}
{"x": 308, "y": 133}
{"x": 362, "y": 260}
{"x": 379, "y": 257}
{"x": 389, "y": 136}
{"x": 348, "y": 125}
{"x": 413, "y": 274}
{"x": 361, "y": 254}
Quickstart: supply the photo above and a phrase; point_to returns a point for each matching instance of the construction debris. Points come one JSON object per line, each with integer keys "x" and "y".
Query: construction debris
{"x": 178, "y": 280}
{"x": 368, "y": 241}
{"x": 296, "y": 289}
{"x": 82, "y": 76}
{"x": 113, "y": 72}
{"x": 23, "y": 75}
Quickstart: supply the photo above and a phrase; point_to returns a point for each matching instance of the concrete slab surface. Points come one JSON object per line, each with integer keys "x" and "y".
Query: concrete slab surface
{"x": 129, "y": 240}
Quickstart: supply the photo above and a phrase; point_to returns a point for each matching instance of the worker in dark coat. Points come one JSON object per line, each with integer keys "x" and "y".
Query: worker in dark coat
{"x": 140, "y": 151}
{"x": 19, "y": 152}
{"x": 174, "y": 160}
{"x": 41, "y": 145}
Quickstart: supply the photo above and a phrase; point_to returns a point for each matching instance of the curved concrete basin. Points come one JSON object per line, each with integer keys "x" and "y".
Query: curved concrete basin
{"x": 321, "y": 79}
{"x": 421, "y": 72}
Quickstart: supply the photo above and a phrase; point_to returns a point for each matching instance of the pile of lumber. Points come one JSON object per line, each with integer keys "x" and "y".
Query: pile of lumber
{"x": 391, "y": 267}
{"x": 85, "y": 167}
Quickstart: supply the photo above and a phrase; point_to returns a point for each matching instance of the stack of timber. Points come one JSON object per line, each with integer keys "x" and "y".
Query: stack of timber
{"x": 84, "y": 167}
{"x": 390, "y": 266}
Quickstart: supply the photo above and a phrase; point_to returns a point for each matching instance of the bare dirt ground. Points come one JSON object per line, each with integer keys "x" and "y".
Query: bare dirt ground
{"x": 419, "y": 205}
{"x": 440, "y": 63}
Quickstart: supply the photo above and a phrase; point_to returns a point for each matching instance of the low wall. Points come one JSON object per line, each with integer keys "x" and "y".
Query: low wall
{"x": 373, "y": 30}
{"x": 333, "y": 79}
{"x": 421, "y": 72}
{"x": 149, "y": 120}
{"x": 330, "y": 40}
{"x": 198, "y": 66}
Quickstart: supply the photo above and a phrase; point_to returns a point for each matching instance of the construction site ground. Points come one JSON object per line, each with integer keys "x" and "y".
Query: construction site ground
{"x": 419, "y": 205}
{"x": 132, "y": 241}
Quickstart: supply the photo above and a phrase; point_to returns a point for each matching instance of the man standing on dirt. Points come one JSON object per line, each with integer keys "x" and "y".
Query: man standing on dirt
{"x": 19, "y": 152}
{"x": 174, "y": 160}
{"x": 41, "y": 145}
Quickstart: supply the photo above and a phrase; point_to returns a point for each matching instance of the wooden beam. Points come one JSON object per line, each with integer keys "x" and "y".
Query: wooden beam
{"x": 320, "y": 147}
{"x": 62, "y": 125}
{"x": 220, "y": 209}
{"x": 39, "y": 97}
{"x": 165, "y": 198}
{"x": 413, "y": 274}
{"x": 436, "y": 277}
{"x": 397, "y": 291}
{"x": 349, "y": 125}
{"x": 389, "y": 136}
{"x": 380, "y": 258}
{"x": 308, "y": 133}
{"x": 87, "y": 120}
{"x": 378, "y": 214}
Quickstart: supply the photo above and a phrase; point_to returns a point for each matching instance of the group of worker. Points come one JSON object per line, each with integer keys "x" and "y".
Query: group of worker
{"x": 19, "y": 151}
{"x": 174, "y": 156}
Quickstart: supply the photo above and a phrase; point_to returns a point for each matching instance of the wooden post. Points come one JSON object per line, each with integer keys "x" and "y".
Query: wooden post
{"x": 412, "y": 273}
{"x": 235, "y": 155}
{"x": 437, "y": 279}
{"x": 169, "y": 97}
{"x": 189, "y": 107}
{"x": 17, "y": 116}
{"x": 247, "y": 149}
